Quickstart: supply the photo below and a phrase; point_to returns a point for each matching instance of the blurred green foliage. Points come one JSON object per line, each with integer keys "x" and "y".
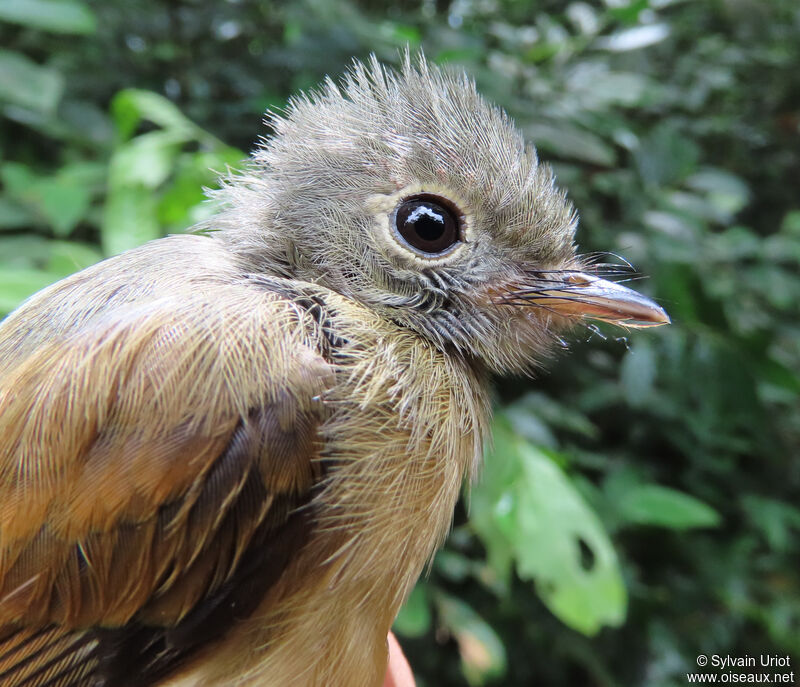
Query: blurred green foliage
{"x": 640, "y": 504}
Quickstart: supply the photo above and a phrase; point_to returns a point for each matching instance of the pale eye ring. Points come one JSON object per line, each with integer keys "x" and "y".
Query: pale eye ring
{"x": 427, "y": 224}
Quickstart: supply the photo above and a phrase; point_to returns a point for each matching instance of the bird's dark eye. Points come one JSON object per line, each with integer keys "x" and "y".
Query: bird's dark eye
{"x": 427, "y": 224}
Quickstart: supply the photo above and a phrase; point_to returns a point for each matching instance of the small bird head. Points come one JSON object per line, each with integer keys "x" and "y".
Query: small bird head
{"x": 409, "y": 193}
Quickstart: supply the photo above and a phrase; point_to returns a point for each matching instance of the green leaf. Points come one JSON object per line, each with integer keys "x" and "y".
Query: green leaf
{"x": 14, "y": 215}
{"x": 483, "y": 655}
{"x": 736, "y": 243}
{"x": 652, "y": 504}
{"x": 63, "y": 204}
{"x": 17, "y": 284}
{"x": 182, "y": 201}
{"x": 56, "y": 16}
{"x": 528, "y": 423}
{"x": 17, "y": 178}
{"x": 627, "y": 12}
{"x": 147, "y": 159}
{"x": 414, "y": 618}
{"x": 571, "y": 142}
{"x": 634, "y": 38}
{"x": 153, "y": 168}
{"x": 129, "y": 219}
{"x": 773, "y": 373}
{"x": 791, "y": 224}
{"x": 599, "y": 87}
{"x": 23, "y": 250}
{"x": 536, "y": 406}
{"x": 27, "y": 84}
{"x": 555, "y": 526}
{"x": 666, "y": 156}
{"x": 453, "y": 565}
{"x": 59, "y": 258}
{"x": 61, "y": 200}
{"x": 727, "y": 193}
{"x": 528, "y": 506}
{"x": 779, "y": 521}
{"x": 132, "y": 105}
{"x": 67, "y": 257}
{"x": 401, "y": 34}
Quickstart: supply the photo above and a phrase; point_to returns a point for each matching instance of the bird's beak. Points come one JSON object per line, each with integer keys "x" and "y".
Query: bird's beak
{"x": 582, "y": 295}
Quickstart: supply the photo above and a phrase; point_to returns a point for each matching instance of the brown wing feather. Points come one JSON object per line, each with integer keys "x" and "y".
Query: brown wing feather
{"x": 154, "y": 465}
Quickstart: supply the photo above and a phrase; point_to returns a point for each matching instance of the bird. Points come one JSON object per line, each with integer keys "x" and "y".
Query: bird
{"x": 226, "y": 456}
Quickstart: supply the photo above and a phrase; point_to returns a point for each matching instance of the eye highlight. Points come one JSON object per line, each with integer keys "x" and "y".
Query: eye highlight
{"x": 427, "y": 224}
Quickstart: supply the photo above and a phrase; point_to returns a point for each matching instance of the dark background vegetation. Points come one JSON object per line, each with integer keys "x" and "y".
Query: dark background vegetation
{"x": 640, "y": 505}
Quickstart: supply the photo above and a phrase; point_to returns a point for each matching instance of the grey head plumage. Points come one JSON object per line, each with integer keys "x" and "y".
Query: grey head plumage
{"x": 319, "y": 203}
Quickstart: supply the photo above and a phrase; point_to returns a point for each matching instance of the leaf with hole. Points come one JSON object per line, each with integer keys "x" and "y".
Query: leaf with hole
{"x": 527, "y": 512}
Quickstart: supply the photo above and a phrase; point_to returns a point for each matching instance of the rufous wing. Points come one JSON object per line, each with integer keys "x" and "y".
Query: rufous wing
{"x": 157, "y": 463}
